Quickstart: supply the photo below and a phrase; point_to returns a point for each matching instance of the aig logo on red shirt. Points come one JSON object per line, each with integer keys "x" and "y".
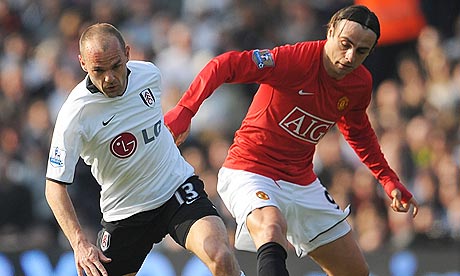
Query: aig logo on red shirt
{"x": 305, "y": 126}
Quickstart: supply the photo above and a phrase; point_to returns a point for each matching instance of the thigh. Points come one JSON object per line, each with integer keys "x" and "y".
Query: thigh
{"x": 341, "y": 257}
{"x": 126, "y": 245}
{"x": 267, "y": 224}
{"x": 246, "y": 193}
{"x": 206, "y": 237}
{"x": 313, "y": 217}
{"x": 242, "y": 192}
{"x": 194, "y": 206}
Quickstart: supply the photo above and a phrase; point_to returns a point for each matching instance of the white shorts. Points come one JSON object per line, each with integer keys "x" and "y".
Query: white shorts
{"x": 313, "y": 218}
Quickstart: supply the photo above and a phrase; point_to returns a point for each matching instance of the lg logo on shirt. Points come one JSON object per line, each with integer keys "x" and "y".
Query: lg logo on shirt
{"x": 305, "y": 126}
{"x": 125, "y": 144}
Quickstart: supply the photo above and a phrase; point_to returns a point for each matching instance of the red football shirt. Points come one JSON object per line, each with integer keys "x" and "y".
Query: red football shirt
{"x": 296, "y": 104}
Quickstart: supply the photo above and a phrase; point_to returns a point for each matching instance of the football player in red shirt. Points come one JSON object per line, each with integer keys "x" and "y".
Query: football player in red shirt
{"x": 267, "y": 180}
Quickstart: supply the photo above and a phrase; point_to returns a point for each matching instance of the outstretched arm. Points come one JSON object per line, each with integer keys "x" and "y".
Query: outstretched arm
{"x": 361, "y": 137}
{"x": 88, "y": 257}
{"x": 230, "y": 67}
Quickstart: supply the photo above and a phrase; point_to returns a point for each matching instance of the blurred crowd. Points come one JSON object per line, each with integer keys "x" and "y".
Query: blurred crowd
{"x": 415, "y": 109}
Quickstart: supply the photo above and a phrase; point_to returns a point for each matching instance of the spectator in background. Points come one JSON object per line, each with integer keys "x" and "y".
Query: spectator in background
{"x": 412, "y": 87}
{"x": 16, "y": 199}
{"x": 13, "y": 93}
{"x": 401, "y": 23}
{"x": 17, "y": 215}
{"x": 177, "y": 60}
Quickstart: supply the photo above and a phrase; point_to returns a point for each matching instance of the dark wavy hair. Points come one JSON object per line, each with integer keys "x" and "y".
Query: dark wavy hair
{"x": 359, "y": 14}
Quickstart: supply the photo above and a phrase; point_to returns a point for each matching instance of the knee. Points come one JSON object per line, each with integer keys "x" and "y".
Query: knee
{"x": 275, "y": 228}
{"x": 357, "y": 270}
{"x": 364, "y": 270}
{"x": 272, "y": 232}
{"x": 267, "y": 224}
{"x": 224, "y": 261}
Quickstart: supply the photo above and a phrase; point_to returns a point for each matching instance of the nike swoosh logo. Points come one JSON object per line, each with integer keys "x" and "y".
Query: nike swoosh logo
{"x": 191, "y": 201}
{"x": 104, "y": 123}
{"x": 303, "y": 93}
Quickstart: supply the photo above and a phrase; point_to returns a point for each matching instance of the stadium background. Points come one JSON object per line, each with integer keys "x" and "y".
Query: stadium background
{"x": 415, "y": 111}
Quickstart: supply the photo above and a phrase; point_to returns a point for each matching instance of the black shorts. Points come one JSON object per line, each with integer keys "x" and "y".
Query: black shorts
{"x": 128, "y": 241}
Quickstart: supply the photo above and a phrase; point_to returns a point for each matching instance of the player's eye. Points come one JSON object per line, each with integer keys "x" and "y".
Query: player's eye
{"x": 344, "y": 45}
{"x": 363, "y": 51}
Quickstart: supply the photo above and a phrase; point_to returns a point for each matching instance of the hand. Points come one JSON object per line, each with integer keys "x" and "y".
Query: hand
{"x": 398, "y": 206}
{"x": 89, "y": 259}
{"x": 178, "y": 121}
{"x": 181, "y": 137}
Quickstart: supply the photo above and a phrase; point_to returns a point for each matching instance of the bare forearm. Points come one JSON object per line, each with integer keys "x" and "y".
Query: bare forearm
{"x": 64, "y": 212}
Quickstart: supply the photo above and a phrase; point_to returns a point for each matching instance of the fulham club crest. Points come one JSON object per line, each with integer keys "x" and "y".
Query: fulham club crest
{"x": 105, "y": 240}
{"x": 147, "y": 97}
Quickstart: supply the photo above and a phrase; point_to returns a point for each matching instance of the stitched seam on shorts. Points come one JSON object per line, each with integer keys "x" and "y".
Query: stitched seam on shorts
{"x": 329, "y": 228}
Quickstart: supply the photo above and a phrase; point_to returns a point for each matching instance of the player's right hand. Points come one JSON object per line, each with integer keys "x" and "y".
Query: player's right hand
{"x": 89, "y": 259}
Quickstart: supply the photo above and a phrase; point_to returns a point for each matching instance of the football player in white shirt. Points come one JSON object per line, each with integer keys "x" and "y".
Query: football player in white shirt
{"x": 113, "y": 120}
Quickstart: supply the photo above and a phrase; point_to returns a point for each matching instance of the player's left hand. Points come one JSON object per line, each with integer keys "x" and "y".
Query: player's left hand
{"x": 89, "y": 259}
{"x": 181, "y": 137}
{"x": 178, "y": 121}
{"x": 398, "y": 206}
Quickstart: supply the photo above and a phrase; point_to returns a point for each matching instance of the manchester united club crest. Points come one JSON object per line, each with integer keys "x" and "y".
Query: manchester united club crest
{"x": 342, "y": 104}
{"x": 262, "y": 195}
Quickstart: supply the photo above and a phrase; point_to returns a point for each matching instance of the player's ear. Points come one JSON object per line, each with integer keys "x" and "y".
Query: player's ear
{"x": 330, "y": 32}
{"x": 82, "y": 63}
{"x": 127, "y": 50}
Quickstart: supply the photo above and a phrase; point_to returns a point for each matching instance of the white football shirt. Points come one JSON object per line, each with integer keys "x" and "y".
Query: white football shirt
{"x": 131, "y": 152}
